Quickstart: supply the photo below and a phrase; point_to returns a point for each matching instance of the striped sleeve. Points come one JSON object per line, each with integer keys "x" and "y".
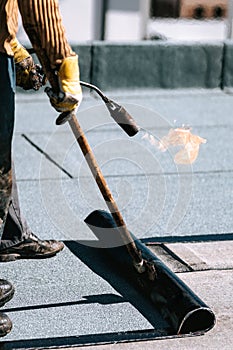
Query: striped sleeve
{"x": 43, "y": 24}
{"x": 8, "y": 24}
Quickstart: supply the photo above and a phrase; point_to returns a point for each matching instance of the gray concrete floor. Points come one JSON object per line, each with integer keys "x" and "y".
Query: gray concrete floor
{"x": 76, "y": 295}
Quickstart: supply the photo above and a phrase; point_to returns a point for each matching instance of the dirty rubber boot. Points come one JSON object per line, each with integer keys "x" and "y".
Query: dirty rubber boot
{"x": 31, "y": 248}
{"x": 5, "y": 325}
{"x": 6, "y": 292}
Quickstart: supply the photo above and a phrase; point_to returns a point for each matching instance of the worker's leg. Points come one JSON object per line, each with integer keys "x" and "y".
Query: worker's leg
{"x": 16, "y": 229}
{"x": 17, "y": 240}
{"x": 7, "y": 110}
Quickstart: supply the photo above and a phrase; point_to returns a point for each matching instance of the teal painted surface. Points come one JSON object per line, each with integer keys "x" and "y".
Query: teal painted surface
{"x": 157, "y": 65}
{"x": 228, "y": 64}
{"x": 152, "y": 64}
{"x": 85, "y": 60}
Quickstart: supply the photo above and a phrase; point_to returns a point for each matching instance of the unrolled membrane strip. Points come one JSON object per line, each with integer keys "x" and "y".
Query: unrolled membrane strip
{"x": 178, "y": 305}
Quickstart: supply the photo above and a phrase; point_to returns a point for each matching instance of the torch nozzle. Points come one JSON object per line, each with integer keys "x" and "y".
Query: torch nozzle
{"x": 122, "y": 118}
{"x": 117, "y": 112}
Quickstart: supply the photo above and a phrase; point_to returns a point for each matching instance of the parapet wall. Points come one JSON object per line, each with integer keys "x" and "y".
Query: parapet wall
{"x": 157, "y": 64}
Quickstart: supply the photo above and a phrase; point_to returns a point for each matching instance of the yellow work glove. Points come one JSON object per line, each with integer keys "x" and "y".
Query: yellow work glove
{"x": 70, "y": 95}
{"x": 28, "y": 74}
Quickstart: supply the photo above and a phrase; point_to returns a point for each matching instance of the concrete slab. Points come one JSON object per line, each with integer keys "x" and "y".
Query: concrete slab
{"x": 174, "y": 263}
{"x": 44, "y": 204}
{"x": 34, "y": 113}
{"x": 151, "y": 110}
{"x": 188, "y": 107}
{"x": 27, "y": 162}
{"x": 189, "y": 257}
{"x": 152, "y": 207}
{"x": 134, "y": 156}
{"x": 203, "y": 213}
{"x": 211, "y": 255}
{"x": 117, "y": 154}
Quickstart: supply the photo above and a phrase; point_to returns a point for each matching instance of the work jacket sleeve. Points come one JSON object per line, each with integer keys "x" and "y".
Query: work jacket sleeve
{"x": 43, "y": 24}
{"x": 8, "y": 24}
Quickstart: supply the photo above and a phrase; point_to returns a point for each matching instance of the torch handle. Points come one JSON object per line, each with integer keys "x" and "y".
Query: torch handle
{"x": 105, "y": 191}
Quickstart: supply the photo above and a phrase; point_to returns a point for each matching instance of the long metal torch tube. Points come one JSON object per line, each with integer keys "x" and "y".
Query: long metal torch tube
{"x": 117, "y": 112}
{"x": 93, "y": 87}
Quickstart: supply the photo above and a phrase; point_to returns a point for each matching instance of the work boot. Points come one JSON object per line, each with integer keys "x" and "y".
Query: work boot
{"x": 5, "y": 325}
{"x": 6, "y": 292}
{"x": 31, "y": 248}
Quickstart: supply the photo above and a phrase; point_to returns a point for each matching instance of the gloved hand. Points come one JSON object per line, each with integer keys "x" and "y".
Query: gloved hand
{"x": 28, "y": 74}
{"x": 70, "y": 95}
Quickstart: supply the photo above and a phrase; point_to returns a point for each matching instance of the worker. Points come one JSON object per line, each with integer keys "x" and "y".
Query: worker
{"x": 43, "y": 25}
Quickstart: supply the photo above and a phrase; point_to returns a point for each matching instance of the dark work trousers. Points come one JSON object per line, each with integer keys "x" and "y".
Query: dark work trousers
{"x": 13, "y": 227}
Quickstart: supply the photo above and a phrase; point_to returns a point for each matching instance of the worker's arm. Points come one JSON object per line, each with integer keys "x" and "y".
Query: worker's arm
{"x": 43, "y": 25}
{"x": 8, "y": 24}
{"x": 28, "y": 75}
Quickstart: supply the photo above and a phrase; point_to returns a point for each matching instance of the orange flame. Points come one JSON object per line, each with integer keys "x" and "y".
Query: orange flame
{"x": 179, "y": 137}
